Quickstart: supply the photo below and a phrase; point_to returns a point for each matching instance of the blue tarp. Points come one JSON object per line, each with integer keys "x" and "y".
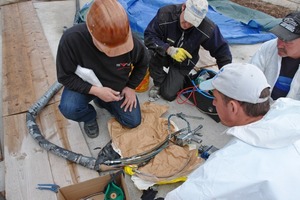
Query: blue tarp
{"x": 234, "y": 30}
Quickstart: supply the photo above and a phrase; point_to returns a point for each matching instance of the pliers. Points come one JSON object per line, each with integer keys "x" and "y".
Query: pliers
{"x": 51, "y": 187}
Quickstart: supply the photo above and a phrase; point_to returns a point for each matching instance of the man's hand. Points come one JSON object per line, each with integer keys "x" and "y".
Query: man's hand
{"x": 105, "y": 93}
{"x": 178, "y": 54}
{"x": 130, "y": 99}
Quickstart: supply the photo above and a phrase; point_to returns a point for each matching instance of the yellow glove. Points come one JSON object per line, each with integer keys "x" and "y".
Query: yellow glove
{"x": 178, "y": 54}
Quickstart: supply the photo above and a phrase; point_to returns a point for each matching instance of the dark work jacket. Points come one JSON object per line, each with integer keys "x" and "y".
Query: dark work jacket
{"x": 164, "y": 30}
{"x": 76, "y": 47}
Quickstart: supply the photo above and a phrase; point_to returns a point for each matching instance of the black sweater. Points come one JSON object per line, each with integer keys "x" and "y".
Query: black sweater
{"x": 77, "y": 48}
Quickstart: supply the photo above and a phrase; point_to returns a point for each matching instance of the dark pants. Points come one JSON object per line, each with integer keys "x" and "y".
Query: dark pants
{"x": 170, "y": 83}
{"x": 75, "y": 106}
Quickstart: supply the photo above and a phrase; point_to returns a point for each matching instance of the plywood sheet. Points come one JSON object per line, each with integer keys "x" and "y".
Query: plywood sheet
{"x": 28, "y": 65}
{"x": 66, "y": 134}
{"x": 17, "y": 85}
{"x": 26, "y": 163}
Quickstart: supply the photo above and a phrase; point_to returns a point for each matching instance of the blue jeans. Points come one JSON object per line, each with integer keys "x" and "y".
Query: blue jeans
{"x": 75, "y": 106}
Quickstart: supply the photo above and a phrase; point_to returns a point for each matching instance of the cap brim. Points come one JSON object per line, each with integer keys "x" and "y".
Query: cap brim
{"x": 206, "y": 85}
{"x": 283, "y": 33}
{"x": 117, "y": 50}
{"x": 191, "y": 18}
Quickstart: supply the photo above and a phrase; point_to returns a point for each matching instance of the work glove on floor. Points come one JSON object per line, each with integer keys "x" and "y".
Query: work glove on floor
{"x": 150, "y": 194}
{"x": 178, "y": 54}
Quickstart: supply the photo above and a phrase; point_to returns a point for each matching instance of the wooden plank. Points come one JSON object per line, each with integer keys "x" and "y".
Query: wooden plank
{"x": 78, "y": 144}
{"x": 66, "y": 134}
{"x": 28, "y": 65}
{"x": 61, "y": 169}
{"x": 17, "y": 85}
{"x": 43, "y": 66}
{"x": 26, "y": 163}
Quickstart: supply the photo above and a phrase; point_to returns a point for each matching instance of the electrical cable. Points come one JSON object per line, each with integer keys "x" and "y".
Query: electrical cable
{"x": 89, "y": 162}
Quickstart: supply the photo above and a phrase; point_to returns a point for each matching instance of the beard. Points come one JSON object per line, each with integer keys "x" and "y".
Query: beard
{"x": 282, "y": 52}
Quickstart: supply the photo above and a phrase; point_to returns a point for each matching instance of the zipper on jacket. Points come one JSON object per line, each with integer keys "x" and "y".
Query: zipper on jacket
{"x": 180, "y": 41}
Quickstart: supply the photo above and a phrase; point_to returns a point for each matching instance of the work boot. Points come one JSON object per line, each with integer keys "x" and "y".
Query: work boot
{"x": 154, "y": 93}
{"x": 91, "y": 129}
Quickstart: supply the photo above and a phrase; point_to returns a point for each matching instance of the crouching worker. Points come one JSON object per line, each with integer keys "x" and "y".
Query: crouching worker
{"x": 174, "y": 37}
{"x": 279, "y": 58}
{"x": 105, "y": 45}
{"x": 262, "y": 161}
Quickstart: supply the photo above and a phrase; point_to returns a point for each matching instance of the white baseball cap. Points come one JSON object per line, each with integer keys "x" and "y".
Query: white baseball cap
{"x": 240, "y": 81}
{"x": 195, "y": 11}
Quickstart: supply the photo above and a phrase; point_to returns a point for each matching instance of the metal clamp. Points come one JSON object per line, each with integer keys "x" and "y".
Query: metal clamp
{"x": 187, "y": 136}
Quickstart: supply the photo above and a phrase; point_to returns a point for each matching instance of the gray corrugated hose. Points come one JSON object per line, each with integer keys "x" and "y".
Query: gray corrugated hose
{"x": 85, "y": 161}
{"x": 35, "y": 132}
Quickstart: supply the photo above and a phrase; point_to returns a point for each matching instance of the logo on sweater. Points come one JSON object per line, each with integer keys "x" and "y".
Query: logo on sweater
{"x": 122, "y": 66}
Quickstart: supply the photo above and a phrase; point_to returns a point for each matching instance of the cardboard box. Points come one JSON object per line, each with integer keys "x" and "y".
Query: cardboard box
{"x": 91, "y": 187}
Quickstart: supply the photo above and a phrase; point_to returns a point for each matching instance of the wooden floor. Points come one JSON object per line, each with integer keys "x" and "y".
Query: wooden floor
{"x": 28, "y": 72}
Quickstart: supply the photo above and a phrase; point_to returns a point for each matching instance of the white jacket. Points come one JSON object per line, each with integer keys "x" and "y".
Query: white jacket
{"x": 261, "y": 162}
{"x": 268, "y": 60}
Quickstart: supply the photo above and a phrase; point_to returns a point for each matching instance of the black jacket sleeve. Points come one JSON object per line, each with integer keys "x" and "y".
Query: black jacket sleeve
{"x": 218, "y": 47}
{"x": 140, "y": 62}
{"x": 66, "y": 65}
{"x": 155, "y": 35}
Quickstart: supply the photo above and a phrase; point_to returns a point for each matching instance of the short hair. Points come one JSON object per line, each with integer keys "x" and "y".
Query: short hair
{"x": 253, "y": 110}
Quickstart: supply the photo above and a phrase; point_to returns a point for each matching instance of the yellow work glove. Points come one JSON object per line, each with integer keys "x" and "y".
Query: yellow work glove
{"x": 178, "y": 54}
